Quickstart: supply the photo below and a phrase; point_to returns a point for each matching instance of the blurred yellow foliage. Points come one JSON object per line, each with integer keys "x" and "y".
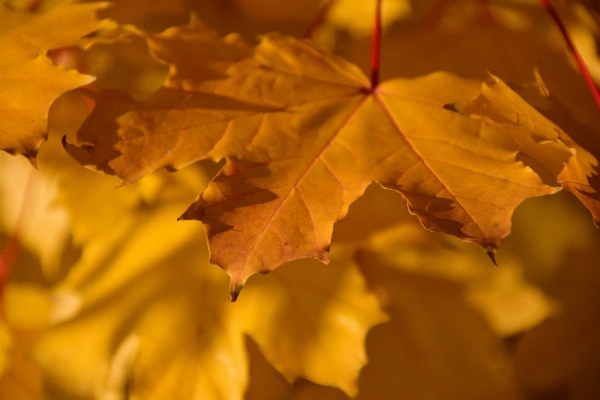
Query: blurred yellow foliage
{"x": 111, "y": 298}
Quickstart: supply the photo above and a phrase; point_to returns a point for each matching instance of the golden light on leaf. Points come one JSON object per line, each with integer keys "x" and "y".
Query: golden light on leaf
{"x": 304, "y": 134}
{"x": 110, "y": 297}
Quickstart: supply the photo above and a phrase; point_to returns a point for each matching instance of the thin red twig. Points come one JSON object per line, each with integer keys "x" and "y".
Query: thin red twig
{"x": 376, "y": 50}
{"x": 580, "y": 63}
{"x": 319, "y": 19}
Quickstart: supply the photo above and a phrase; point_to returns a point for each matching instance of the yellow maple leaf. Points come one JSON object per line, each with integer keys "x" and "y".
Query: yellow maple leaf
{"x": 29, "y": 80}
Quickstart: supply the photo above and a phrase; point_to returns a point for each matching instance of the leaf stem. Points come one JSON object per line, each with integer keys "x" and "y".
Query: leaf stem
{"x": 580, "y": 63}
{"x": 376, "y": 49}
{"x": 320, "y": 19}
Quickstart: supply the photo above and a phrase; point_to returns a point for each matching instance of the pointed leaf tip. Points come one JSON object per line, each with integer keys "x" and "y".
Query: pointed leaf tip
{"x": 234, "y": 291}
{"x": 491, "y": 252}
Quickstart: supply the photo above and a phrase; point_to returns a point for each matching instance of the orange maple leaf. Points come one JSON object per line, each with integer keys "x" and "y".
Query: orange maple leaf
{"x": 304, "y": 133}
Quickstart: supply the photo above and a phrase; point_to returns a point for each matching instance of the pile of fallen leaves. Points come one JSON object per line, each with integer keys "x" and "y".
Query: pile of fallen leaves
{"x": 298, "y": 141}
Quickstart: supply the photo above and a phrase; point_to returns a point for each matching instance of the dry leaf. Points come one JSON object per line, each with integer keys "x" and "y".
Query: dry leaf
{"x": 304, "y": 134}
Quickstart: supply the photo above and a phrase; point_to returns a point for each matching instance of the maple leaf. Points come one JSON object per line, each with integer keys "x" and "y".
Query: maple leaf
{"x": 304, "y": 134}
{"x": 30, "y": 81}
{"x": 140, "y": 314}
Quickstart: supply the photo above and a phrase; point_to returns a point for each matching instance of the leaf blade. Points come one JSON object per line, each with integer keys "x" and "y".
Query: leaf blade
{"x": 303, "y": 135}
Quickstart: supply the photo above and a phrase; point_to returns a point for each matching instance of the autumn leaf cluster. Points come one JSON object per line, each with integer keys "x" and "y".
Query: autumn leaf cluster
{"x": 282, "y": 138}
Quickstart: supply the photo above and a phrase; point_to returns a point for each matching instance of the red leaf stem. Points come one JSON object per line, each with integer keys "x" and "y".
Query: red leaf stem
{"x": 376, "y": 49}
{"x": 580, "y": 63}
